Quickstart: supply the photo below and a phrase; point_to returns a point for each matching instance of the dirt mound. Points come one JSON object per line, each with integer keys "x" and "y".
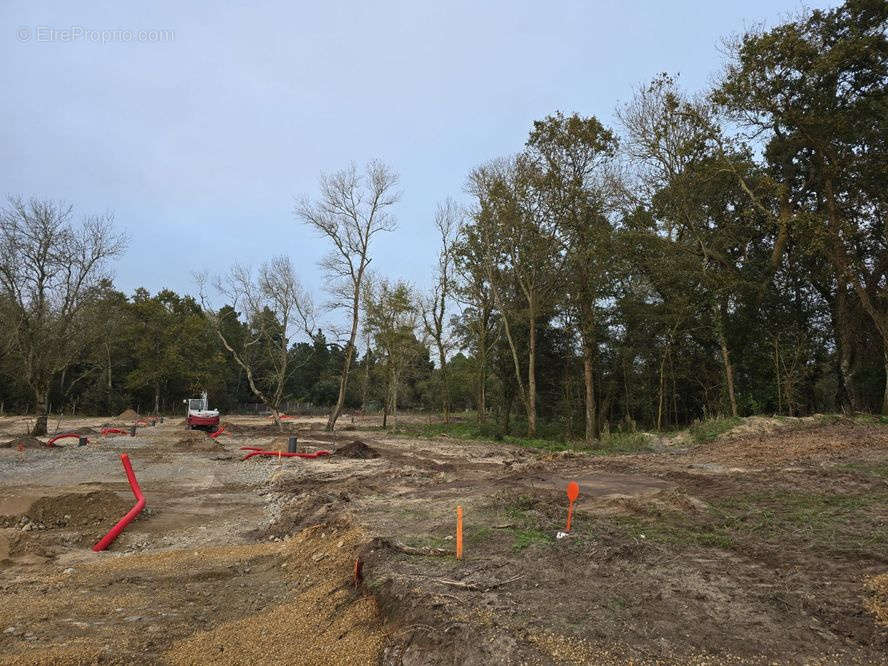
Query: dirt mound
{"x": 254, "y": 430}
{"x": 877, "y": 604}
{"x": 308, "y": 509}
{"x": 79, "y": 509}
{"x": 357, "y": 449}
{"x": 85, "y": 430}
{"x": 815, "y": 443}
{"x": 128, "y": 415}
{"x": 27, "y": 442}
{"x": 655, "y": 504}
{"x": 197, "y": 440}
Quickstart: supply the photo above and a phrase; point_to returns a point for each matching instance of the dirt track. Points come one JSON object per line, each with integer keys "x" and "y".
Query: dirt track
{"x": 714, "y": 554}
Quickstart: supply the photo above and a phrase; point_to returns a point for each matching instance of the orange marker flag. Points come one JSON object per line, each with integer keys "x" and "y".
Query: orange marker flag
{"x": 459, "y": 522}
{"x": 573, "y": 491}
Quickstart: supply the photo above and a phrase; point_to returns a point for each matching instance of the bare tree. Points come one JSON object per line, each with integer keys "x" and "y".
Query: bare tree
{"x": 353, "y": 207}
{"x": 51, "y": 271}
{"x": 276, "y": 308}
{"x": 434, "y": 307}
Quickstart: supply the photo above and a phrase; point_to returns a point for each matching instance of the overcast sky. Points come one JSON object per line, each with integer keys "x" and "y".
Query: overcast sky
{"x": 200, "y": 127}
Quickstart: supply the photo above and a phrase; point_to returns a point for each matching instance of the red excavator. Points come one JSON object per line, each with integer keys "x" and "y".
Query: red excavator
{"x": 200, "y": 416}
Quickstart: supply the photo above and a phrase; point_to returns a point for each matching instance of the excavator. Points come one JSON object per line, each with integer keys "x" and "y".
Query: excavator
{"x": 200, "y": 416}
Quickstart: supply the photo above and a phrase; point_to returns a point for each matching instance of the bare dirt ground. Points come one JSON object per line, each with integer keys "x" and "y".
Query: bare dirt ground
{"x": 767, "y": 545}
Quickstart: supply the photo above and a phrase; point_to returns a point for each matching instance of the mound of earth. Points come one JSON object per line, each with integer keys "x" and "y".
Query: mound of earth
{"x": 877, "y": 604}
{"x": 305, "y": 510}
{"x": 79, "y": 509}
{"x": 659, "y": 503}
{"x": 197, "y": 440}
{"x": 27, "y": 442}
{"x": 85, "y": 430}
{"x": 254, "y": 430}
{"x": 819, "y": 442}
{"x": 358, "y": 450}
{"x": 128, "y": 415}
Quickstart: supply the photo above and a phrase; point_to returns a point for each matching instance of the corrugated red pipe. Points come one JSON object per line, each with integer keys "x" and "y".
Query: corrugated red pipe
{"x": 64, "y": 435}
{"x": 131, "y": 514}
{"x": 114, "y": 431}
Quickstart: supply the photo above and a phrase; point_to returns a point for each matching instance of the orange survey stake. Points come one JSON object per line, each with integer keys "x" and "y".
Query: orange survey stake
{"x": 459, "y": 532}
{"x": 573, "y": 491}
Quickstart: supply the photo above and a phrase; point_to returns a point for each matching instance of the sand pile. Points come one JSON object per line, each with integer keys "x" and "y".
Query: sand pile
{"x": 99, "y": 507}
{"x": 877, "y": 604}
{"x": 660, "y": 503}
{"x": 197, "y": 440}
{"x": 27, "y": 442}
{"x": 358, "y": 450}
{"x": 128, "y": 415}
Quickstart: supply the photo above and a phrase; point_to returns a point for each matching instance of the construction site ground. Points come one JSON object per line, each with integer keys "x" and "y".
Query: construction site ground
{"x": 767, "y": 545}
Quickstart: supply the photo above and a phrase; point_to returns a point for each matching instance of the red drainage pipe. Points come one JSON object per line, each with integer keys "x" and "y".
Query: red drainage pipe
{"x": 214, "y": 435}
{"x": 64, "y": 436}
{"x": 114, "y": 431}
{"x": 131, "y": 514}
{"x": 283, "y": 454}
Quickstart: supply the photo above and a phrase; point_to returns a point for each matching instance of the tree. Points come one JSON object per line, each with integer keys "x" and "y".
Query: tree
{"x": 391, "y": 320}
{"x": 572, "y": 154}
{"x": 434, "y": 308}
{"x": 50, "y": 272}
{"x": 275, "y": 307}
{"x": 167, "y": 342}
{"x": 522, "y": 253}
{"x": 352, "y": 209}
{"x": 816, "y": 89}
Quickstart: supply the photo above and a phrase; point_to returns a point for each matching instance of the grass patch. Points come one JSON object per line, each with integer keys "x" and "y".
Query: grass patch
{"x": 528, "y": 537}
{"x": 708, "y": 430}
{"x": 875, "y": 470}
{"x": 548, "y": 438}
{"x": 837, "y": 523}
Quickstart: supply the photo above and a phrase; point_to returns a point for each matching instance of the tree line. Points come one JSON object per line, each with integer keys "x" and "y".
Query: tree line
{"x": 715, "y": 253}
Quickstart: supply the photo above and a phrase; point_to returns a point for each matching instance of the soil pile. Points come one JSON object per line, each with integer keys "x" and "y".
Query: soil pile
{"x": 27, "y": 442}
{"x": 98, "y": 507}
{"x": 877, "y": 604}
{"x": 358, "y": 450}
{"x": 128, "y": 415}
{"x": 817, "y": 443}
{"x": 254, "y": 430}
{"x": 198, "y": 440}
{"x": 85, "y": 430}
{"x": 660, "y": 503}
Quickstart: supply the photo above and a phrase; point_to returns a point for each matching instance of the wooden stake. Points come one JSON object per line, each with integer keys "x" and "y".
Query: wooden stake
{"x": 459, "y": 521}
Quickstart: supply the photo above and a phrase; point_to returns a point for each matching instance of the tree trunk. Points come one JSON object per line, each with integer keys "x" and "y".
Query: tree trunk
{"x": 591, "y": 409}
{"x": 42, "y": 396}
{"x": 845, "y": 345}
{"x": 482, "y": 372}
{"x": 531, "y": 378}
{"x": 726, "y": 359}
{"x": 349, "y": 352}
{"x": 661, "y": 389}
{"x": 445, "y": 389}
{"x": 156, "y": 399}
{"x": 885, "y": 395}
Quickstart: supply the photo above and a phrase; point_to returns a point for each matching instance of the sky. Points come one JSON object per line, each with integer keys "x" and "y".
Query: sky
{"x": 198, "y": 124}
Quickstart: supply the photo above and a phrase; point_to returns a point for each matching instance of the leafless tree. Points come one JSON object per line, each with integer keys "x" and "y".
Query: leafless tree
{"x": 51, "y": 271}
{"x": 434, "y": 306}
{"x": 353, "y": 207}
{"x": 276, "y": 309}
